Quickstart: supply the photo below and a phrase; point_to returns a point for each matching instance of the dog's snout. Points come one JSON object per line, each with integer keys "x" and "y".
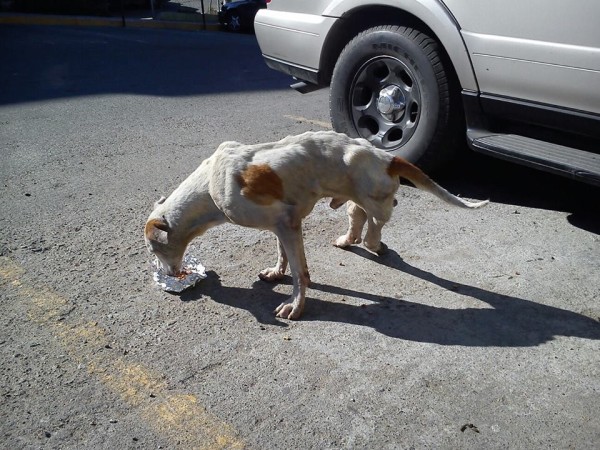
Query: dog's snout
{"x": 167, "y": 267}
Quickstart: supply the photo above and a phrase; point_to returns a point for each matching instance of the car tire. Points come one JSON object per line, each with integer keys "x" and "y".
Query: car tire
{"x": 390, "y": 87}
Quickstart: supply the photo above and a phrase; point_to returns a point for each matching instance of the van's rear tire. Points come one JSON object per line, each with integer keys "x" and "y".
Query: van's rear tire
{"x": 390, "y": 87}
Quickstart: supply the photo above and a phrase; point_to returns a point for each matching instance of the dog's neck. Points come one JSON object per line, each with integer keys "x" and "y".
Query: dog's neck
{"x": 190, "y": 209}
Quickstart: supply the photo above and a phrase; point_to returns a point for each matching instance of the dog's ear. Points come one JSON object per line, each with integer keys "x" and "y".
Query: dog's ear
{"x": 160, "y": 201}
{"x": 157, "y": 230}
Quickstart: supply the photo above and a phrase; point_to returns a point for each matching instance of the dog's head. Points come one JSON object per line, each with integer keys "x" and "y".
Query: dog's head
{"x": 161, "y": 241}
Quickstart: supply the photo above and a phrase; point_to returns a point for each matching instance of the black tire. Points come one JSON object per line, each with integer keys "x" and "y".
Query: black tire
{"x": 378, "y": 71}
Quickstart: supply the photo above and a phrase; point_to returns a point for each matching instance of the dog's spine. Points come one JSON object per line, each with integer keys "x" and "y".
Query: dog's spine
{"x": 401, "y": 168}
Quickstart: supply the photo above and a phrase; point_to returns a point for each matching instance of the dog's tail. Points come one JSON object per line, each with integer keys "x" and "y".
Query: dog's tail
{"x": 402, "y": 168}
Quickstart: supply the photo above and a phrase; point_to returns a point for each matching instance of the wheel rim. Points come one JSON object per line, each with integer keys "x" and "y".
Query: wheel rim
{"x": 234, "y": 23}
{"x": 385, "y": 102}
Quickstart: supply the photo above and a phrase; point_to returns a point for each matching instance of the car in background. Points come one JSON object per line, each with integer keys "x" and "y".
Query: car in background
{"x": 239, "y": 15}
{"x": 520, "y": 80}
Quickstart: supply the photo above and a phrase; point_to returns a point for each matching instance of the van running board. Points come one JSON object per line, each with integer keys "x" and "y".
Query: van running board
{"x": 566, "y": 161}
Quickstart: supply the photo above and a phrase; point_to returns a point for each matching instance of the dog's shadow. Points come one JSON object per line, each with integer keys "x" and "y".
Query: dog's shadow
{"x": 509, "y": 322}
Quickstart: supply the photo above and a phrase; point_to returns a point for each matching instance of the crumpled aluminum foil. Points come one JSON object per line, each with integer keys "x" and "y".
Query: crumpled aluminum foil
{"x": 195, "y": 273}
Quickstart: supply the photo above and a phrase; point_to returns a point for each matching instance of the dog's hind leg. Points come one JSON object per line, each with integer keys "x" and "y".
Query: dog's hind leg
{"x": 293, "y": 245}
{"x": 373, "y": 236}
{"x": 278, "y": 271}
{"x": 356, "y": 221}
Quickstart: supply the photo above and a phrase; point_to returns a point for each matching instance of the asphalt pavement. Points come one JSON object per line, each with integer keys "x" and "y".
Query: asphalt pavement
{"x": 478, "y": 330}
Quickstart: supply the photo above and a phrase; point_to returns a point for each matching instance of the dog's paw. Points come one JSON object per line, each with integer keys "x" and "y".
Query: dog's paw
{"x": 383, "y": 249}
{"x": 380, "y": 249}
{"x": 288, "y": 311}
{"x": 346, "y": 241}
{"x": 271, "y": 274}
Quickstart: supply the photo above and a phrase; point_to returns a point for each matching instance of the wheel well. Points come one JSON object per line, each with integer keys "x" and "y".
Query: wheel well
{"x": 360, "y": 19}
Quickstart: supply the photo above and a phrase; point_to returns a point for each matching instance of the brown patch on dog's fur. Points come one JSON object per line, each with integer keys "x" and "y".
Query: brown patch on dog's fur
{"x": 261, "y": 184}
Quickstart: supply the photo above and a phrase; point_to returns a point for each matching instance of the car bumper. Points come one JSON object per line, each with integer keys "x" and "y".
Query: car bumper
{"x": 292, "y": 42}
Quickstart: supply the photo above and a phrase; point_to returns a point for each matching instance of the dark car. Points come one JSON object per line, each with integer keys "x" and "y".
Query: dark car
{"x": 239, "y": 15}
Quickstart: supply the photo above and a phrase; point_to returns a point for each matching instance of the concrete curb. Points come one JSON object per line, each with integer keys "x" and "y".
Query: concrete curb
{"x": 90, "y": 21}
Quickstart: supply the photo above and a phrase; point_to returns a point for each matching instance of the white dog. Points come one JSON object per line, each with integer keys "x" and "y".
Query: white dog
{"x": 274, "y": 186}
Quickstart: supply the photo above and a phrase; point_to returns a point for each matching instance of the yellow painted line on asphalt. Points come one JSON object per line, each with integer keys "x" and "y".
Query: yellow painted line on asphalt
{"x": 114, "y": 22}
{"x": 180, "y": 416}
{"x": 319, "y": 123}
{"x": 50, "y": 19}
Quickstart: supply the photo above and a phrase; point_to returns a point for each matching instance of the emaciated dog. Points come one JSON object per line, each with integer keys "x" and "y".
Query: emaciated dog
{"x": 274, "y": 186}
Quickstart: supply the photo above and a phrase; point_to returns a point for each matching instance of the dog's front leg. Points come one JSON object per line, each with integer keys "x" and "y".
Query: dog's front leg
{"x": 293, "y": 246}
{"x": 277, "y": 272}
{"x": 356, "y": 221}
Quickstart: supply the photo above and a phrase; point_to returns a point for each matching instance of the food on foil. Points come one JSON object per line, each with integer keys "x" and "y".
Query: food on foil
{"x": 192, "y": 272}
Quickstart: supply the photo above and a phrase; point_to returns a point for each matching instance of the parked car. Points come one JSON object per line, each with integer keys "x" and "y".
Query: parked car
{"x": 239, "y": 15}
{"x": 521, "y": 80}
